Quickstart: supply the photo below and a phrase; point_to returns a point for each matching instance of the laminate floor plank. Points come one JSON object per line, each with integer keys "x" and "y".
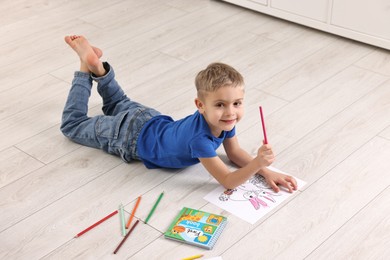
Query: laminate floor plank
{"x": 214, "y": 37}
{"x": 315, "y": 69}
{"x": 43, "y": 20}
{"x": 386, "y": 133}
{"x": 15, "y": 164}
{"x": 273, "y": 60}
{"x": 378, "y": 61}
{"x": 25, "y": 96}
{"x": 48, "y": 146}
{"x": 22, "y": 9}
{"x": 331, "y": 143}
{"x": 46, "y": 185}
{"x": 365, "y": 236}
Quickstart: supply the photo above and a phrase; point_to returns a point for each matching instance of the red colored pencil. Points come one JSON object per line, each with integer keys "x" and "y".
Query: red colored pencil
{"x": 97, "y": 223}
{"x": 127, "y": 235}
{"x": 263, "y": 124}
{"x": 133, "y": 212}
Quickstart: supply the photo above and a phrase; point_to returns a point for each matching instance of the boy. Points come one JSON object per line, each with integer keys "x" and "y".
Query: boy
{"x": 137, "y": 132}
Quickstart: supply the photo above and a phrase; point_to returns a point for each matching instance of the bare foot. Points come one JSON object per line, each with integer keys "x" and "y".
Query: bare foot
{"x": 89, "y": 55}
{"x": 97, "y": 51}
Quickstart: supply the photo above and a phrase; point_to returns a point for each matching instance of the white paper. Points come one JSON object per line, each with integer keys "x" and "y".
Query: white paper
{"x": 251, "y": 200}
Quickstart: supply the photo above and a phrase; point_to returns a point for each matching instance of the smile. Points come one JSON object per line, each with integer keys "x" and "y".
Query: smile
{"x": 229, "y": 121}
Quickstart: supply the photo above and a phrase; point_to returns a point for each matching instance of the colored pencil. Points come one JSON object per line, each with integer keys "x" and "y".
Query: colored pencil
{"x": 154, "y": 207}
{"x": 263, "y": 124}
{"x": 127, "y": 235}
{"x": 133, "y": 212}
{"x": 122, "y": 217}
{"x": 193, "y": 257}
{"x": 97, "y": 223}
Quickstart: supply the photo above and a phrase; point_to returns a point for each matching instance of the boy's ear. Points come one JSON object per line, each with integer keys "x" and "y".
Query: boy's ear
{"x": 199, "y": 104}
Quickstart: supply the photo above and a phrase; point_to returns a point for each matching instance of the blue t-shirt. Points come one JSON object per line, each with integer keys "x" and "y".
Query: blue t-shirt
{"x": 165, "y": 143}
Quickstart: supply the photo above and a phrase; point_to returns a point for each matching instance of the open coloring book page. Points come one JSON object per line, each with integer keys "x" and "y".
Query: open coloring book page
{"x": 252, "y": 200}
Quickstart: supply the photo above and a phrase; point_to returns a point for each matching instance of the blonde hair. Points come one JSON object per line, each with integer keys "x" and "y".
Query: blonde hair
{"x": 215, "y": 76}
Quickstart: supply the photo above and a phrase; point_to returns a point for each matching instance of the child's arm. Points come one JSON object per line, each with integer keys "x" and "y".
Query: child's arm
{"x": 241, "y": 158}
{"x": 217, "y": 168}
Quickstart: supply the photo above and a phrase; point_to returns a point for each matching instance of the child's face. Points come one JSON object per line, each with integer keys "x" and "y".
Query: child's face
{"x": 222, "y": 108}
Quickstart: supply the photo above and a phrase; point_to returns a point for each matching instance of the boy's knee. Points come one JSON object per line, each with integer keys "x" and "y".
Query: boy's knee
{"x": 68, "y": 126}
{"x": 65, "y": 128}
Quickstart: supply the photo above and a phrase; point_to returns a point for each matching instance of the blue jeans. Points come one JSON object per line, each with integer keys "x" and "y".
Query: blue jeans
{"x": 116, "y": 131}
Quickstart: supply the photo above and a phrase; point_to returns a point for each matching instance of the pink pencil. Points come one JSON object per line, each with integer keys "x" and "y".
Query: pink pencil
{"x": 263, "y": 124}
{"x": 97, "y": 223}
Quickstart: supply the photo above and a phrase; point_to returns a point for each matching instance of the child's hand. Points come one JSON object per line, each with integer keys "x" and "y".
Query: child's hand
{"x": 275, "y": 178}
{"x": 265, "y": 155}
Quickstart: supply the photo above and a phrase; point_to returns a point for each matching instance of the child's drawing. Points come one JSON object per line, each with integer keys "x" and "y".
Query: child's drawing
{"x": 255, "y": 191}
{"x": 251, "y": 200}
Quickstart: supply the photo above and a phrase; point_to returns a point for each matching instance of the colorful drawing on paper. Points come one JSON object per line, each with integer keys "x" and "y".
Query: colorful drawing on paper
{"x": 251, "y": 200}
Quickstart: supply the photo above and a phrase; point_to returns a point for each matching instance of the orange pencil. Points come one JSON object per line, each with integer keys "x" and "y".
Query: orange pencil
{"x": 133, "y": 212}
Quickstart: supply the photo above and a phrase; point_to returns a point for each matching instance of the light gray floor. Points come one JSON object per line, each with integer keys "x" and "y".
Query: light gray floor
{"x": 327, "y": 106}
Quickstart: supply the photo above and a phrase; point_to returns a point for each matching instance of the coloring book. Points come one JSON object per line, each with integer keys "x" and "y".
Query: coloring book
{"x": 251, "y": 200}
{"x": 196, "y": 227}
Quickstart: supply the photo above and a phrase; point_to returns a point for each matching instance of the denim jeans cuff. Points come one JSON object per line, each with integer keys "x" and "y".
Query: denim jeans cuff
{"x": 106, "y": 78}
{"x": 80, "y": 74}
{"x": 82, "y": 78}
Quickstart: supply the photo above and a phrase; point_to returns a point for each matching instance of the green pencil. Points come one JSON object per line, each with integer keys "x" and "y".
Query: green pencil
{"x": 154, "y": 207}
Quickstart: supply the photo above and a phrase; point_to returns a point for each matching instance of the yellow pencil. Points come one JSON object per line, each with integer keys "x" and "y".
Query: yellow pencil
{"x": 193, "y": 257}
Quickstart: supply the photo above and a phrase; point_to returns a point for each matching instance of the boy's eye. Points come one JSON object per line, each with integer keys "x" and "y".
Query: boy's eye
{"x": 239, "y": 103}
{"x": 219, "y": 105}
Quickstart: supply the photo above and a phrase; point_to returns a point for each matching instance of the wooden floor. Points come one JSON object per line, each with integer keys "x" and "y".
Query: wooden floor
{"x": 327, "y": 106}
